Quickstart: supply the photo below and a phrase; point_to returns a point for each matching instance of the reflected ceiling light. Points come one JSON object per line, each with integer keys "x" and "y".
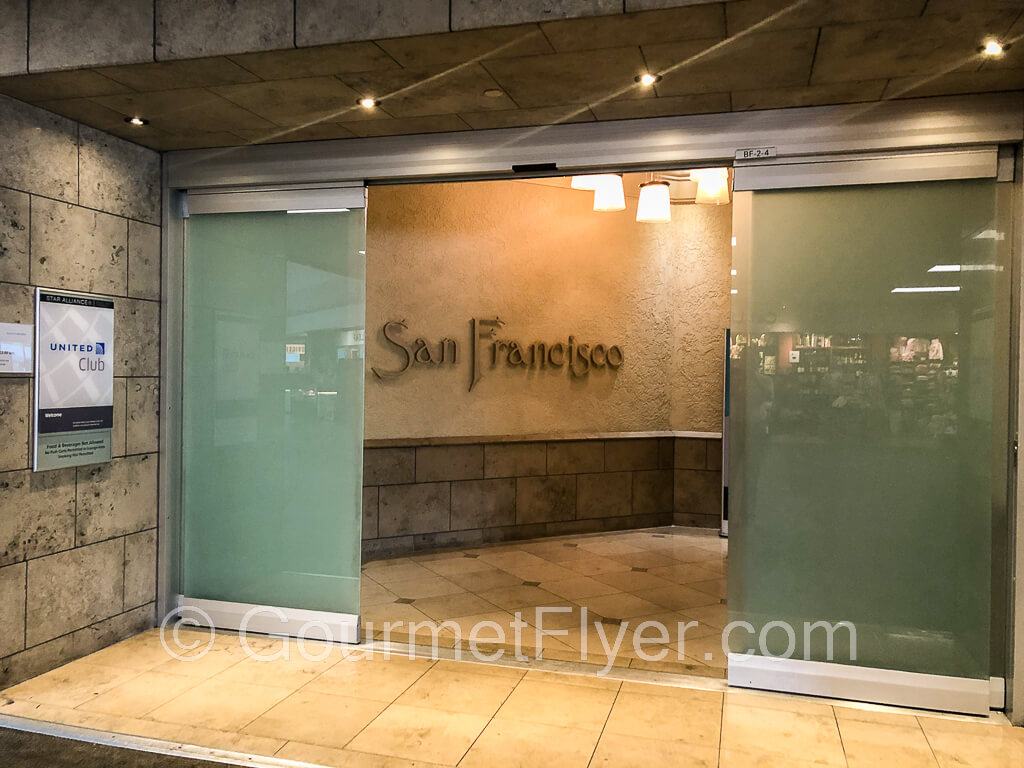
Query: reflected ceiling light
{"x": 712, "y": 185}
{"x": 928, "y": 289}
{"x": 368, "y": 102}
{"x": 608, "y": 193}
{"x": 990, "y": 234}
{"x": 993, "y": 48}
{"x": 647, "y": 79}
{"x": 734, "y": 273}
{"x": 654, "y": 205}
{"x": 966, "y": 268}
{"x": 317, "y": 210}
{"x": 494, "y": 93}
{"x": 136, "y": 120}
{"x": 734, "y": 291}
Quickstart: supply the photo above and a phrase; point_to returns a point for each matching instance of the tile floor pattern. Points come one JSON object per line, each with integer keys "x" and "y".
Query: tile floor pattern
{"x": 666, "y": 575}
{"x": 369, "y": 711}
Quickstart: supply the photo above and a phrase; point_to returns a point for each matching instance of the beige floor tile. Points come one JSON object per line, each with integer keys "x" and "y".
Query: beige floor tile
{"x": 677, "y": 597}
{"x": 478, "y": 668}
{"x": 974, "y": 744}
{"x": 782, "y": 733}
{"x": 578, "y": 587}
{"x": 646, "y": 558}
{"x": 140, "y": 695}
{"x": 517, "y": 597}
{"x": 287, "y": 664}
{"x": 395, "y": 614}
{"x": 220, "y": 704}
{"x": 417, "y": 589}
{"x": 393, "y": 574}
{"x": 799, "y": 704}
{"x": 621, "y": 606}
{"x": 141, "y": 652}
{"x": 685, "y": 573}
{"x": 572, "y": 706}
{"x": 716, "y": 616}
{"x": 609, "y": 547}
{"x": 868, "y": 745}
{"x": 633, "y": 581}
{"x": 316, "y": 718}
{"x": 752, "y": 758}
{"x": 707, "y": 650}
{"x": 371, "y": 677}
{"x": 517, "y": 744}
{"x": 417, "y": 733}
{"x": 372, "y": 593}
{"x": 479, "y": 581}
{"x": 689, "y": 716}
{"x": 206, "y": 737}
{"x": 866, "y": 713}
{"x": 617, "y": 751}
{"x": 460, "y": 688}
{"x": 561, "y": 678}
{"x": 457, "y": 566}
{"x": 716, "y": 587}
{"x": 589, "y": 564}
{"x": 452, "y": 606}
{"x": 72, "y": 684}
{"x": 344, "y": 758}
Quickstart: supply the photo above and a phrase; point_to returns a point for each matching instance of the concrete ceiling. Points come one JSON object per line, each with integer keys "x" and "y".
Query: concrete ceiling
{"x": 717, "y": 57}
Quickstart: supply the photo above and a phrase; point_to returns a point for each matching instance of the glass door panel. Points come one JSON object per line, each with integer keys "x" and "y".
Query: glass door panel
{"x": 273, "y": 408}
{"x": 868, "y": 422}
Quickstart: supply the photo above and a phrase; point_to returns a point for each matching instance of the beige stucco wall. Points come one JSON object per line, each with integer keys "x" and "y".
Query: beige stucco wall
{"x": 542, "y": 260}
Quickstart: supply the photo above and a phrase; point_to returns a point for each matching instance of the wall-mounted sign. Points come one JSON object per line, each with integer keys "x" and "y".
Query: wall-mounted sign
{"x": 488, "y": 351}
{"x": 16, "y": 348}
{"x": 74, "y": 403}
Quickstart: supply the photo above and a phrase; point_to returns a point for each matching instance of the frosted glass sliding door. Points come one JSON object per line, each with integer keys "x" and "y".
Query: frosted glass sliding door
{"x": 868, "y": 445}
{"x": 273, "y": 409}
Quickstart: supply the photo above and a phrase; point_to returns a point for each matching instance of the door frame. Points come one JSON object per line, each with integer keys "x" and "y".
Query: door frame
{"x": 699, "y": 140}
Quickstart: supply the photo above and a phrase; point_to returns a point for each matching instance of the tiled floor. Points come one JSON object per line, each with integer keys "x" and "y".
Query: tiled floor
{"x": 609, "y": 583}
{"x": 369, "y": 711}
{"x": 354, "y": 706}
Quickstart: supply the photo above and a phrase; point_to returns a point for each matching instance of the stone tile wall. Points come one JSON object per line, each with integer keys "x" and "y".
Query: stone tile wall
{"x": 428, "y": 496}
{"x": 49, "y": 35}
{"x": 79, "y": 210}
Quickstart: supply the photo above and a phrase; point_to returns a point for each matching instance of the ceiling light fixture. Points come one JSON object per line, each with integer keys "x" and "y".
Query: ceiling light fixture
{"x": 654, "y": 205}
{"x": 608, "y": 193}
{"x": 993, "y": 48}
{"x": 712, "y": 185}
{"x": 647, "y": 79}
{"x": 587, "y": 183}
{"x": 136, "y": 121}
{"x": 369, "y": 102}
{"x": 318, "y": 210}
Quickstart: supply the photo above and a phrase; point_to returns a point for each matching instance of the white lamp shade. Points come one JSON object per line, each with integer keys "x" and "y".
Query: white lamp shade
{"x": 588, "y": 182}
{"x": 608, "y": 193}
{"x": 654, "y": 205}
{"x": 712, "y": 185}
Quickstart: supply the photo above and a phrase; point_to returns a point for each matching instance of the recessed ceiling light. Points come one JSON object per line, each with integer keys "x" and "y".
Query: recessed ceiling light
{"x": 368, "y": 102}
{"x": 647, "y": 79}
{"x": 494, "y": 93}
{"x": 993, "y": 48}
{"x": 928, "y": 289}
{"x": 136, "y": 120}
